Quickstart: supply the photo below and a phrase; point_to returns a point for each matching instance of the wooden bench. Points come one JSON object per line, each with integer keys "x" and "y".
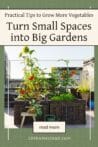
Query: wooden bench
{"x": 26, "y": 114}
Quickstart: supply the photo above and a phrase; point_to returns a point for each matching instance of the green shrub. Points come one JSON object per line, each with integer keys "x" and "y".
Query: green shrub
{"x": 63, "y": 97}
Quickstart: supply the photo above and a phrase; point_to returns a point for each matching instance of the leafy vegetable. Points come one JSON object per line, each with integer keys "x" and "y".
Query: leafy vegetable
{"x": 63, "y": 97}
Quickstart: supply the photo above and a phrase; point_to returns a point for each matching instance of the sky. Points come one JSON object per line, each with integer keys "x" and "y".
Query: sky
{"x": 48, "y": 56}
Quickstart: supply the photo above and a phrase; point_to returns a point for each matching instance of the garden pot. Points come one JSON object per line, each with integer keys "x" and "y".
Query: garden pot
{"x": 50, "y": 118}
{"x": 85, "y": 96}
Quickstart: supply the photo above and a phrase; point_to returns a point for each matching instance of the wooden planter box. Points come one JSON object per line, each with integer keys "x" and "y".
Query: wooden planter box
{"x": 45, "y": 109}
{"x": 72, "y": 112}
{"x": 19, "y": 106}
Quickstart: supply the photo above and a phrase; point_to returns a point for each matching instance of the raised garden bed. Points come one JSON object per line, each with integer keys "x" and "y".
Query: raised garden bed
{"x": 73, "y": 112}
{"x": 19, "y": 106}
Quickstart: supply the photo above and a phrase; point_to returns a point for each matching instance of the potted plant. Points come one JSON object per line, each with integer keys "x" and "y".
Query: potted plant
{"x": 64, "y": 105}
{"x": 84, "y": 89}
{"x": 34, "y": 84}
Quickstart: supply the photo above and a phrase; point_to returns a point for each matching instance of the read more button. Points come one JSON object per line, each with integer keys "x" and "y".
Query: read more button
{"x": 49, "y": 127}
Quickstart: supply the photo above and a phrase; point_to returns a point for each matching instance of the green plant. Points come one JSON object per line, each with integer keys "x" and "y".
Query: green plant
{"x": 34, "y": 84}
{"x": 84, "y": 86}
{"x": 35, "y": 108}
{"x": 84, "y": 89}
{"x": 64, "y": 77}
{"x": 53, "y": 83}
{"x": 63, "y": 97}
{"x": 61, "y": 80}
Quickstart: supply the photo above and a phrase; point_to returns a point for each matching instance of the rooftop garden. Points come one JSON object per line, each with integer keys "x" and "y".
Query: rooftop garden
{"x": 36, "y": 87}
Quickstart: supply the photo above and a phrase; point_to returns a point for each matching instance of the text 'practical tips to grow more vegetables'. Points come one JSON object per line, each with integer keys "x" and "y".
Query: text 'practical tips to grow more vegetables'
{"x": 45, "y": 27}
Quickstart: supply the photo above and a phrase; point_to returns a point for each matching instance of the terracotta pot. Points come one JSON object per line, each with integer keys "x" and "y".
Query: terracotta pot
{"x": 85, "y": 96}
